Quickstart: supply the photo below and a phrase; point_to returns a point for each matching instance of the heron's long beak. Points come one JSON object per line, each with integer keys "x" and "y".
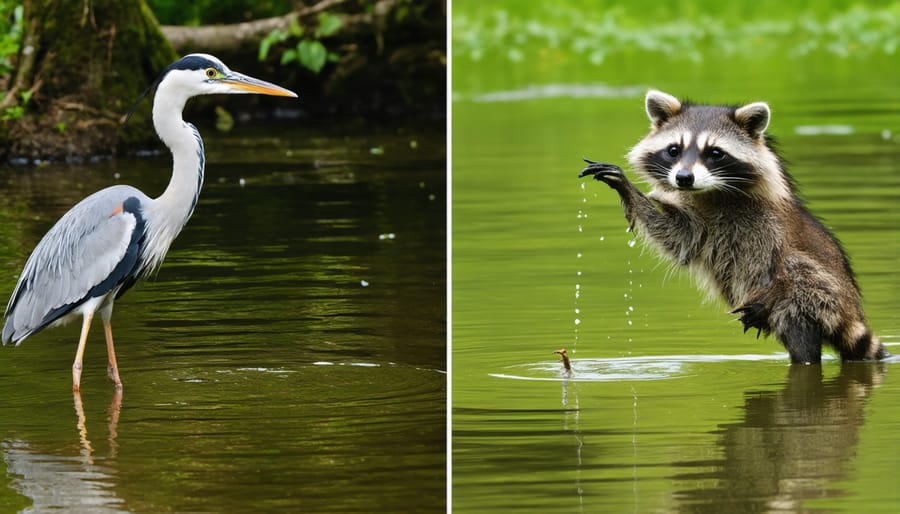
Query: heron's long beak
{"x": 242, "y": 83}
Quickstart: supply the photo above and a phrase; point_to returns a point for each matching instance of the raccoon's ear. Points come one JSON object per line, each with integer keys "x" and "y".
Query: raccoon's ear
{"x": 754, "y": 118}
{"x": 661, "y": 107}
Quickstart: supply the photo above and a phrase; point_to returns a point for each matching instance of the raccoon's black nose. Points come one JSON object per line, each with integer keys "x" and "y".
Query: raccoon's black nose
{"x": 684, "y": 178}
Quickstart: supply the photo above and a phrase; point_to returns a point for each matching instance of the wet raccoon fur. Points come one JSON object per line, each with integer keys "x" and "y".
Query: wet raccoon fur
{"x": 723, "y": 205}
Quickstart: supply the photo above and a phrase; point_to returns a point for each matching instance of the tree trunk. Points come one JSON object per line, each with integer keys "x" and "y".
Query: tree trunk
{"x": 84, "y": 63}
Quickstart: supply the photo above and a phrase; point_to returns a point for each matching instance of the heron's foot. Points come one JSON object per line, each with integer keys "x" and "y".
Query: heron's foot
{"x": 113, "y": 373}
{"x": 76, "y": 377}
{"x": 609, "y": 174}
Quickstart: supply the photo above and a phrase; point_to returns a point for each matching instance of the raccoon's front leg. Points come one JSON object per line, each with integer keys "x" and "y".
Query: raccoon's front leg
{"x": 676, "y": 232}
{"x": 754, "y": 315}
{"x": 614, "y": 177}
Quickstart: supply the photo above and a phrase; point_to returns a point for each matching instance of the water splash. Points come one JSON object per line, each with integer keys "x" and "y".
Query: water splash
{"x": 576, "y": 308}
{"x": 629, "y": 296}
{"x": 581, "y": 215}
{"x": 629, "y": 292}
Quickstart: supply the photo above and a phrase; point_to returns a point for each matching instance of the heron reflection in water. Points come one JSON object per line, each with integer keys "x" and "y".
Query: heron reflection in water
{"x": 116, "y": 236}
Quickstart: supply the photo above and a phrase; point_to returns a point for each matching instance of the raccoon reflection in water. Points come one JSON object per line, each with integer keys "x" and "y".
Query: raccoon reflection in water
{"x": 723, "y": 205}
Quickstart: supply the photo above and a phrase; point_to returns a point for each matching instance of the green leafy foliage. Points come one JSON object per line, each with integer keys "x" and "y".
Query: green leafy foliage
{"x": 328, "y": 25}
{"x": 312, "y": 55}
{"x": 17, "y": 111}
{"x": 10, "y": 33}
{"x": 274, "y": 37}
{"x": 309, "y": 52}
{"x": 205, "y": 12}
{"x": 409, "y": 8}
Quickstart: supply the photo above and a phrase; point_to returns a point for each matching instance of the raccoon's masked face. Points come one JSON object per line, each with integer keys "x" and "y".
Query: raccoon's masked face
{"x": 693, "y": 164}
{"x": 702, "y": 148}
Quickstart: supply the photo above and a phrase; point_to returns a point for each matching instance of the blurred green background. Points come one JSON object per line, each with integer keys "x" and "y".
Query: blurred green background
{"x": 621, "y": 42}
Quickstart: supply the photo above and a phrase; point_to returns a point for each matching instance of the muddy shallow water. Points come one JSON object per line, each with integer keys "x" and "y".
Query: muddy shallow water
{"x": 289, "y": 356}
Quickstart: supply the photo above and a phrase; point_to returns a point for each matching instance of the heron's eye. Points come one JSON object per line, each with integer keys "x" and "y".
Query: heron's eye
{"x": 673, "y": 151}
{"x": 211, "y": 73}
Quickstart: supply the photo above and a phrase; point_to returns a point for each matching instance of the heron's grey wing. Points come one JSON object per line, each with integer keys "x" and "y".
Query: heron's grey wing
{"x": 81, "y": 251}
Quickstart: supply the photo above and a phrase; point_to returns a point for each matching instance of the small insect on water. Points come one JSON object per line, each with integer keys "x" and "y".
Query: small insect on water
{"x": 567, "y": 365}
{"x": 722, "y": 205}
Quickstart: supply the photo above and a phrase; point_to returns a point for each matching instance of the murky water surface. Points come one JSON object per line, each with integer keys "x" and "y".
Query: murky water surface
{"x": 289, "y": 357}
{"x": 670, "y": 407}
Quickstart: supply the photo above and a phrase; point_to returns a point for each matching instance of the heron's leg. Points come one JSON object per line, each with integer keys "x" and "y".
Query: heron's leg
{"x": 113, "y": 369}
{"x": 79, "y": 354}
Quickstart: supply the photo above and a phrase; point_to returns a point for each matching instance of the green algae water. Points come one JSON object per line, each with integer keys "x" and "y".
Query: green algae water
{"x": 670, "y": 407}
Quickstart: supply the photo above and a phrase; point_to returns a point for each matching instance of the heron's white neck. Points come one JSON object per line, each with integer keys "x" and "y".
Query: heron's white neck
{"x": 174, "y": 206}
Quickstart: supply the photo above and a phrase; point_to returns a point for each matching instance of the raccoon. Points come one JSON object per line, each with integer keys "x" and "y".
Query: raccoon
{"x": 723, "y": 205}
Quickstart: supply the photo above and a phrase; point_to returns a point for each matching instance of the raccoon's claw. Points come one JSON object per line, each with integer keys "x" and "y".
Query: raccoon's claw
{"x": 599, "y": 168}
{"x": 753, "y": 315}
{"x": 610, "y": 174}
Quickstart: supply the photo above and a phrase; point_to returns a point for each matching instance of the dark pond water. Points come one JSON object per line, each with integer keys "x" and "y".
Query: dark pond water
{"x": 289, "y": 357}
{"x": 671, "y": 408}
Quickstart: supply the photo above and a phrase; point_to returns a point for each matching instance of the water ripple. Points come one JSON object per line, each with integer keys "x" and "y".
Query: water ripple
{"x": 544, "y": 91}
{"x": 628, "y": 368}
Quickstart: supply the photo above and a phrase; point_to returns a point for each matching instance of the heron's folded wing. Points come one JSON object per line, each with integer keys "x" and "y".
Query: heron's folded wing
{"x": 76, "y": 254}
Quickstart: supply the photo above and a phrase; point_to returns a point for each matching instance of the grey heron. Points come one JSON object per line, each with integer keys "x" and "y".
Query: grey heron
{"x": 116, "y": 236}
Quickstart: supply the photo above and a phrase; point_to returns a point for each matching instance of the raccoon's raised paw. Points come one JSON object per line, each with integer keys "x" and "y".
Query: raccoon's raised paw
{"x": 610, "y": 174}
{"x": 753, "y": 315}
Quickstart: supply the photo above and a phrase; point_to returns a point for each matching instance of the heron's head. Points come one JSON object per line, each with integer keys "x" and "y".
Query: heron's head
{"x": 204, "y": 74}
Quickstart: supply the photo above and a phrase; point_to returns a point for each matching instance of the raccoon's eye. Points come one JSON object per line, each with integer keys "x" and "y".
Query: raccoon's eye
{"x": 673, "y": 151}
{"x": 716, "y": 154}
